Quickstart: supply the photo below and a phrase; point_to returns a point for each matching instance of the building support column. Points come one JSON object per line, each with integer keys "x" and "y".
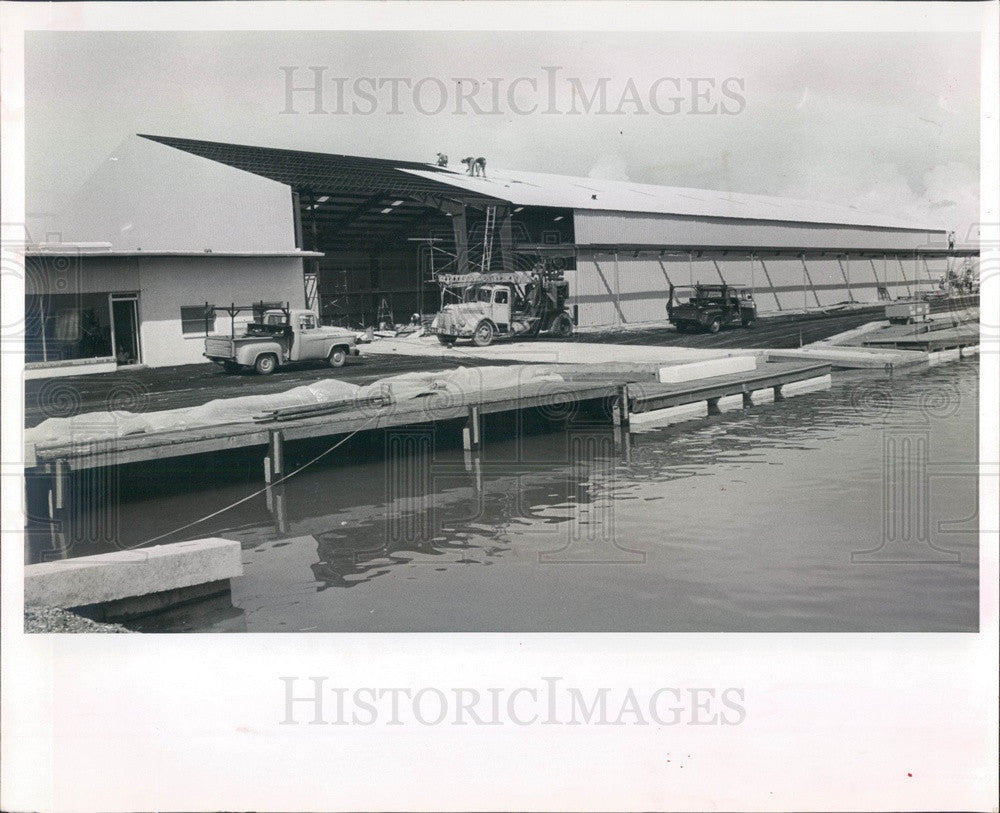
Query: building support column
{"x": 459, "y": 226}
{"x": 618, "y": 290}
{"x": 504, "y": 218}
{"x": 767, "y": 276}
{"x": 806, "y": 278}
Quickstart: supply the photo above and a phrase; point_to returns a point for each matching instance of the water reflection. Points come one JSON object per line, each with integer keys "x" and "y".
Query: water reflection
{"x": 746, "y": 520}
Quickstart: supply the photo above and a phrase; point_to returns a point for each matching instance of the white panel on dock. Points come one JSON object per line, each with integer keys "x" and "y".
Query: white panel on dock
{"x": 765, "y": 396}
{"x": 821, "y": 382}
{"x": 953, "y": 354}
{"x": 695, "y": 370}
{"x": 665, "y": 417}
{"x": 730, "y": 402}
{"x": 125, "y": 574}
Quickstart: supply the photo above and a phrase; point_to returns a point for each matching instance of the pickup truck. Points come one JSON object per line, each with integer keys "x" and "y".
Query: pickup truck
{"x": 710, "y": 307}
{"x": 280, "y": 336}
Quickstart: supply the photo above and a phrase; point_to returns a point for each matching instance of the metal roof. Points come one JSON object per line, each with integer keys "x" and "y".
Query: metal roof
{"x": 543, "y": 189}
{"x": 364, "y": 178}
{"x": 319, "y": 171}
{"x": 70, "y": 250}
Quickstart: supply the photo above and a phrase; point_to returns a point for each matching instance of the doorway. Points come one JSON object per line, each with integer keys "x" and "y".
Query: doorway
{"x": 125, "y": 328}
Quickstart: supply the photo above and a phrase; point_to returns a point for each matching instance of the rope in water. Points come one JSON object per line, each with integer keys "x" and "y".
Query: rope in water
{"x": 257, "y": 493}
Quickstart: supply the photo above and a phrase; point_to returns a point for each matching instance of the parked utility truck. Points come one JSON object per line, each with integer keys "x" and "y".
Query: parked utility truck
{"x": 710, "y": 307}
{"x": 501, "y": 305}
{"x": 276, "y": 336}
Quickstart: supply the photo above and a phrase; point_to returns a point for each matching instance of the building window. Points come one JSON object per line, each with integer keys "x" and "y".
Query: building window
{"x": 193, "y": 319}
{"x": 61, "y": 327}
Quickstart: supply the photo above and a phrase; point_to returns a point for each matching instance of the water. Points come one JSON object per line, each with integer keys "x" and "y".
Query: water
{"x": 852, "y": 509}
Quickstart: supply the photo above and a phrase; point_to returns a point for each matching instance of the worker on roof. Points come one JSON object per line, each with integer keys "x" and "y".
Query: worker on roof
{"x": 475, "y": 166}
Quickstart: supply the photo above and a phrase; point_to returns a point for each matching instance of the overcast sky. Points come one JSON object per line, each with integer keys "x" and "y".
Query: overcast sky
{"x": 885, "y": 122}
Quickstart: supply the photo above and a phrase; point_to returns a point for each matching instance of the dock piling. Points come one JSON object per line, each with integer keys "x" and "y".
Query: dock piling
{"x": 713, "y": 406}
{"x": 619, "y": 412}
{"x": 274, "y": 462}
{"x": 57, "y": 493}
{"x": 747, "y": 399}
{"x": 472, "y": 430}
{"x": 778, "y": 394}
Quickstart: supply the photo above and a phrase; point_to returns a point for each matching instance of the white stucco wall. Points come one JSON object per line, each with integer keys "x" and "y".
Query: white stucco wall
{"x": 150, "y": 197}
{"x": 167, "y": 283}
{"x": 164, "y": 284}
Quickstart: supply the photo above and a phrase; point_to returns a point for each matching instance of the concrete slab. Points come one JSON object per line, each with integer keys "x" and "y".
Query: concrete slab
{"x": 695, "y": 370}
{"x": 849, "y": 336}
{"x": 549, "y": 352}
{"x": 90, "y": 580}
{"x": 65, "y": 369}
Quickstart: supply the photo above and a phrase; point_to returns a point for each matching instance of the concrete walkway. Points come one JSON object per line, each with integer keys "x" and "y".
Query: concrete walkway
{"x": 551, "y": 352}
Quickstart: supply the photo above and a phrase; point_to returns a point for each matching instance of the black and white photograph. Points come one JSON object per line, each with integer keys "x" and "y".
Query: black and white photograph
{"x": 390, "y": 341}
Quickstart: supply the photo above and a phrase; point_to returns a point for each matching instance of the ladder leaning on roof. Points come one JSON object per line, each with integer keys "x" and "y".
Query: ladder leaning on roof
{"x": 488, "y": 225}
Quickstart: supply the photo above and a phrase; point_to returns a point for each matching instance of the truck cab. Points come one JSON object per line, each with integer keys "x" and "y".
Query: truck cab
{"x": 495, "y": 303}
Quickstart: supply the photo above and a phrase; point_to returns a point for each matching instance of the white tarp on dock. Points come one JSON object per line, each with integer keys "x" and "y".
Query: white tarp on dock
{"x": 465, "y": 381}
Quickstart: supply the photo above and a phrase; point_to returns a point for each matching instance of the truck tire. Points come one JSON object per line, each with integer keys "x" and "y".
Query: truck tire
{"x": 266, "y": 364}
{"x": 483, "y": 337}
{"x": 715, "y": 324}
{"x": 338, "y": 357}
{"x": 231, "y": 367}
{"x": 563, "y": 326}
{"x": 447, "y": 341}
{"x": 749, "y": 323}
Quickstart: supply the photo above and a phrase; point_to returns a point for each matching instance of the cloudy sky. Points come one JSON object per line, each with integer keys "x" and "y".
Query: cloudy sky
{"x": 886, "y": 122}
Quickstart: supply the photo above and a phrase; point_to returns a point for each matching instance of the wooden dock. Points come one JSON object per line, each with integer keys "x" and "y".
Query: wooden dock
{"x": 774, "y": 376}
{"x": 918, "y": 337}
{"x": 48, "y": 465}
{"x": 225, "y": 437}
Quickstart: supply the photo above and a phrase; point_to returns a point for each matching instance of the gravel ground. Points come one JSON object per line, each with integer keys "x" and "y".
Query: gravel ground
{"x": 52, "y": 619}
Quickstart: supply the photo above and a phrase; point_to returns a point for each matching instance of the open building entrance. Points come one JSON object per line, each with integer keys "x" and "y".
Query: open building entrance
{"x": 125, "y": 328}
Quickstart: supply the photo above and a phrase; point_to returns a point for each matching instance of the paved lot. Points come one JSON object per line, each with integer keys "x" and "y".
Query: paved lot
{"x": 171, "y": 387}
{"x": 778, "y": 332}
